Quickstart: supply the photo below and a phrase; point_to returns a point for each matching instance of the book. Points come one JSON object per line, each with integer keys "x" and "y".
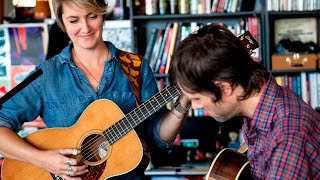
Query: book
{"x": 172, "y": 45}
{"x": 179, "y": 33}
{"x": 312, "y": 77}
{"x": 234, "y": 6}
{"x": 150, "y": 44}
{"x": 220, "y": 6}
{"x": 162, "y": 46}
{"x": 166, "y": 52}
{"x": 304, "y": 86}
{"x": 214, "y": 6}
{"x": 156, "y": 49}
{"x": 184, "y": 31}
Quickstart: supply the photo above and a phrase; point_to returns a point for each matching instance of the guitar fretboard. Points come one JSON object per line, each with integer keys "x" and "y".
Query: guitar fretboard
{"x": 142, "y": 112}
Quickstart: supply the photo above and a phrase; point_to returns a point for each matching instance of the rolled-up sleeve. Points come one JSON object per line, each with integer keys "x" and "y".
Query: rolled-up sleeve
{"x": 22, "y": 107}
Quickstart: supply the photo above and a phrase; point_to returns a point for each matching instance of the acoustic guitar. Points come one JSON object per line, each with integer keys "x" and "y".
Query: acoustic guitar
{"x": 106, "y": 137}
{"x": 230, "y": 165}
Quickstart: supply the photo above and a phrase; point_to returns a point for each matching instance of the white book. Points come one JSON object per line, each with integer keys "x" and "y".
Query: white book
{"x": 289, "y": 5}
{"x": 304, "y": 84}
{"x": 313, "y": 90}
{"x": 208, "y": 6}
{"x": 234, "y": 6}
{"x": 214, "y": 6}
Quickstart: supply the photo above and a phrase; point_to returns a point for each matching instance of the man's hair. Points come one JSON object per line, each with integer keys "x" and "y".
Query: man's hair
{"x": 214, "y": 53}
{"x": 98, "y": 7}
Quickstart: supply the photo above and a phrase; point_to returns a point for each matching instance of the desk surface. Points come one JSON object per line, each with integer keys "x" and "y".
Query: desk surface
{"x": 181, "y": 171}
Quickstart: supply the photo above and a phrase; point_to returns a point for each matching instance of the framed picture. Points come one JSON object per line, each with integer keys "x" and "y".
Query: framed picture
{"x": 296, "y": 29}
{"x": 22, "y": 47}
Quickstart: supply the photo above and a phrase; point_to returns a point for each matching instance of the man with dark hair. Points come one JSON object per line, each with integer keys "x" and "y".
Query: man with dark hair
{"x": 217, "y": 73}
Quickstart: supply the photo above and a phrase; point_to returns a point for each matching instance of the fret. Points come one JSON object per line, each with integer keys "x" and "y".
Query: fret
{"x": 141, "y": 113}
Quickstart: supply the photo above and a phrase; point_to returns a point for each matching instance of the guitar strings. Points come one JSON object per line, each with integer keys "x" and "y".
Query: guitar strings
{"x": 117, "y": 137}
{"x": 95, "y": 139}
{"x": 87, "y": 152}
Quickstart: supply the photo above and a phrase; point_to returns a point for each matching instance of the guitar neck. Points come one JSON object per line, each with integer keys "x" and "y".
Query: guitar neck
{"x": 141, "y": 113}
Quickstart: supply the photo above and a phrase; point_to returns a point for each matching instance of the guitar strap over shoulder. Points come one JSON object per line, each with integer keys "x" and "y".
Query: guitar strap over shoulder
{"x": 130, "y": 64}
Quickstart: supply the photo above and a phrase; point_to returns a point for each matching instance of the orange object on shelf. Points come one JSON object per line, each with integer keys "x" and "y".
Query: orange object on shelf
{"x": 42, "y": 10}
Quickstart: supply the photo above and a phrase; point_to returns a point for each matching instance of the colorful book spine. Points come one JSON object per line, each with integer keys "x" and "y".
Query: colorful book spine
{"x": 172, "y": 45}
{"x": 165, "y": 52}
{"x": 150, "y": 44}
{"x": 162, "y": 47}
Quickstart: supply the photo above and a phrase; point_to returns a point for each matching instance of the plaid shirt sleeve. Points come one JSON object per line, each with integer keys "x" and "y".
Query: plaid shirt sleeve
{"x": 290, "y": 159}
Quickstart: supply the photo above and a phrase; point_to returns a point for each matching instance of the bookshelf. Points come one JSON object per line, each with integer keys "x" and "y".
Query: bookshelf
{"x": 265, "y": 12}
{"x": 303, "y": 77}
{"x": 143, "y": 26}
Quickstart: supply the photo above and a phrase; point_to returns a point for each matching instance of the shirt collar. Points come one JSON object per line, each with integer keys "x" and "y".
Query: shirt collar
{"x": 262, "y": 117}
{"x": 66, "y": 52}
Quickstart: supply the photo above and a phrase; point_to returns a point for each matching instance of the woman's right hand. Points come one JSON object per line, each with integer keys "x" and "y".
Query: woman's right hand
{"x": 63, "y": 163}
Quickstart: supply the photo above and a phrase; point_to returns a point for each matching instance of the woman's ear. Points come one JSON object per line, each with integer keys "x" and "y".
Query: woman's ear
{"x": 225, "y": 87}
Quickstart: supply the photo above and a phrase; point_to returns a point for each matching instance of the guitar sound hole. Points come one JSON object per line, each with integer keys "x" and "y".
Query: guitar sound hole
{"x": 94, "y": 148}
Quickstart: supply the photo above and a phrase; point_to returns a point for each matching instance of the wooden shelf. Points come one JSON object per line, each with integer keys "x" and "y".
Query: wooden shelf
{"x": 287, "y": 14}
{"x": 196, "y": 16}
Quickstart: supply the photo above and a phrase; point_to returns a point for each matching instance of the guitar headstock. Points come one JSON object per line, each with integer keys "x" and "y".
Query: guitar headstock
{"x": 248, "y": 41}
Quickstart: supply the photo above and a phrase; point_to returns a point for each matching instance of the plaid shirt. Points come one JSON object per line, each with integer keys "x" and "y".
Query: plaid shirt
{"x": 283, "y": 136}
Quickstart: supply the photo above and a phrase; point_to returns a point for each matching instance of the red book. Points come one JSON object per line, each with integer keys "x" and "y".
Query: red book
{"x": 165, "y": 52}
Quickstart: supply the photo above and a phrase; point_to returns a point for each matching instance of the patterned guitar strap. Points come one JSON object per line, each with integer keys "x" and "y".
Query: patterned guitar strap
{"x": 130, "y": 64}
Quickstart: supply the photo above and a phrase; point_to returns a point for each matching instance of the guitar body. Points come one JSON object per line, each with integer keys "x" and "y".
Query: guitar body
{"x": 229, "y": 165}
{"x": 106, "y": 161}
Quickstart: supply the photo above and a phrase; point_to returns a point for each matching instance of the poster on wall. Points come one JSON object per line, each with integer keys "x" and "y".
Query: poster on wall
{"x": 22, "y": 47}
{"x": 27, "y": 46}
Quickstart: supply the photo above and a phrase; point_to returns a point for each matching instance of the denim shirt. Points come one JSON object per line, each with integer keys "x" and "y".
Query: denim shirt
{"x": 62, "y": 93}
